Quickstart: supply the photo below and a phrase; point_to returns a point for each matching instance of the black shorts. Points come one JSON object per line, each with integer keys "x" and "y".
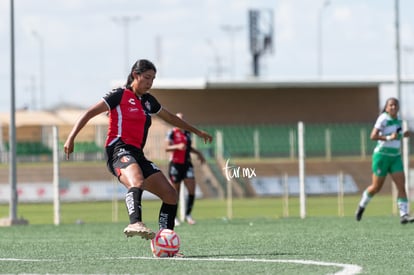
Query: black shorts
{"x": 178, "y": 172}
{"x": 119, "y": 155}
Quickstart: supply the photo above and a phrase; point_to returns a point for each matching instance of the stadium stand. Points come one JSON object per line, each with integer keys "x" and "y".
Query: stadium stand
{"x": 30, "y": 148}
{"x": 276, "y": 140}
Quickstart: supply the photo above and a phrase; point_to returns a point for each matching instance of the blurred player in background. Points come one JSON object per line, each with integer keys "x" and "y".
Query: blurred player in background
{"x": 130, "y": 109}
{"x": 386, "y": 159}
{"x": 180, "y": 167}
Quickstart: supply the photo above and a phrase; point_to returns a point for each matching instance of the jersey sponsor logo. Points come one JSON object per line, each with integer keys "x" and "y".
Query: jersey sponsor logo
{"x": 131, "y": 101}
{"x": 122, "y": 152}
{"x": 133, "y": 109}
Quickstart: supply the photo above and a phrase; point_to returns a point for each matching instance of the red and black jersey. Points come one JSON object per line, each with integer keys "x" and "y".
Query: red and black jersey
{"x": 129, "y": 116}
{"x": 177, "y": 136}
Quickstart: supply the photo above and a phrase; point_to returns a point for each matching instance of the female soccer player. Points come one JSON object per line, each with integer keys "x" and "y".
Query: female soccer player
{"x": 180, "y": 167}
{"x": 386, "y": 159}
{"x": 130, "y": 109}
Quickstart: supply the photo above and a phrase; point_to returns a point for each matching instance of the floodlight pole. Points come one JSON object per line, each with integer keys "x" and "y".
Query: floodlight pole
{"x": 397, "y": 53}
{"x": 125, "y": 22}
{"x": 406, "y": 161}
{"x": 320, "y": 37}
{"x": 218, "y": 68}
{"x": 231, "y": 32}
{"x": 56, "y": 176}
{"x": 12, "y": 134}
{"x": 41, "y": 68}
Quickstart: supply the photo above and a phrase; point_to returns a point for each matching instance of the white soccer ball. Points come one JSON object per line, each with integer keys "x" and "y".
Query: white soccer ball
{"x": 166, "y": 243}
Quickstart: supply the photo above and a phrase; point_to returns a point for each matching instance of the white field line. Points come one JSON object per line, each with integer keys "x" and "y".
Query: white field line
{"x": 26, "y": 260}
{"x": 347, "y": 269}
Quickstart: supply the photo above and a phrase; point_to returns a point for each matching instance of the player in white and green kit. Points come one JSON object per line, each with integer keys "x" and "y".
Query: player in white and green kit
{"x": 386, "y": 159}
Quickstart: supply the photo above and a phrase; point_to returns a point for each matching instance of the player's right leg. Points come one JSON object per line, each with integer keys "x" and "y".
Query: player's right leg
{"x": 131, "y": 177}
{"x": 136, "y": 227}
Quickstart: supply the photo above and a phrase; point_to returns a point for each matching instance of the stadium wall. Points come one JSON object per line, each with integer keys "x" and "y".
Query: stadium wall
{"x": 273, "y": 105}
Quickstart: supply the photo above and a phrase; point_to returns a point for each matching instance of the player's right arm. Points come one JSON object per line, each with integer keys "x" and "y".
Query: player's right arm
{"x": 93, "y": 111}
{"x": 172, "y": 147}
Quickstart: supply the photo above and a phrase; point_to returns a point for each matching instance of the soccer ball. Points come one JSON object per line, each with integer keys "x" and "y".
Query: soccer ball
{"x": 166, "y": 243}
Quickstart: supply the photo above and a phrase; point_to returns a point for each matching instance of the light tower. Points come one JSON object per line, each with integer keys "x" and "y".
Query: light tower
{"x": 125, "y": 22}
{"x": 261, "y": 35}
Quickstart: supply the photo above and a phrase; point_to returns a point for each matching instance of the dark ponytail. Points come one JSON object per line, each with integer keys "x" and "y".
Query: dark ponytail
{"x": 139, "y": 67}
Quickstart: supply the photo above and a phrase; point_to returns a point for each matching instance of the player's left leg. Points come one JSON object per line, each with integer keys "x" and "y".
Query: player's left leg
{"x": 176, "y": 174}
{"x": 191, "y": 187}
{"x": 159, "y": 185}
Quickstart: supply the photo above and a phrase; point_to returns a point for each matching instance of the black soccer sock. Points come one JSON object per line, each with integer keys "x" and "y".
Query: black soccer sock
{"x": 190, "y": 204}
{"x": 133, "y": 204}
{"x": 167, "y": 216}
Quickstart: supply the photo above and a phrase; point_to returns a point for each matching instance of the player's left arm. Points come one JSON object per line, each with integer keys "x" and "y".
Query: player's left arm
{"x": 199, "y": 154}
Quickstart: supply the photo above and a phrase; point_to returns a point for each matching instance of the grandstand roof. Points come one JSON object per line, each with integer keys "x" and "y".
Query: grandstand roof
{"x": 29, "y": 118}
{"x": 223, "y": 83}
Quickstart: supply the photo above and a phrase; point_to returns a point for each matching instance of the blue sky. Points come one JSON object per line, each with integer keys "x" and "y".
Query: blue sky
{"x": 84, "y": 45}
